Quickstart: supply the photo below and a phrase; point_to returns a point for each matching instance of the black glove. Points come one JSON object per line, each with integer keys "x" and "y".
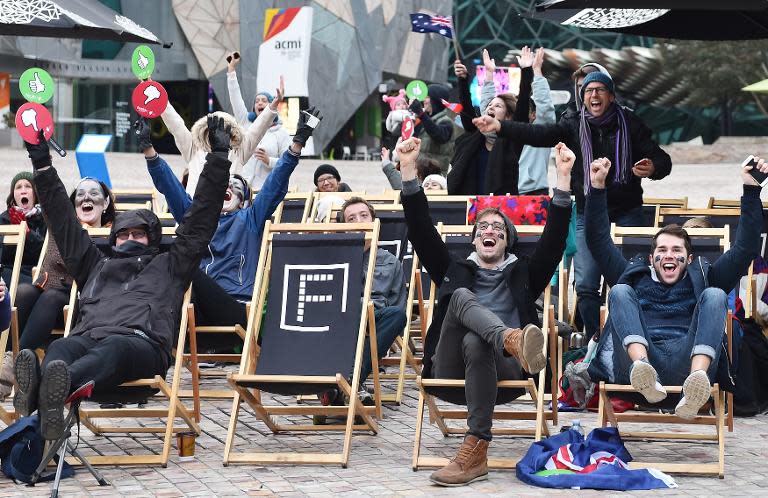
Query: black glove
{"x": 416, "y": 107}
{"x": 142, "y": 129}
{"x": 308, "y": 120}
{"x": 218, "y": 134}
{"x": 40, "y": 153}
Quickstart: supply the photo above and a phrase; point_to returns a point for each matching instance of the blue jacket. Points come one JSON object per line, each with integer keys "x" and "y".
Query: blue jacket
{"x": 724, "y": 273}
{"x": 233, "y": 253}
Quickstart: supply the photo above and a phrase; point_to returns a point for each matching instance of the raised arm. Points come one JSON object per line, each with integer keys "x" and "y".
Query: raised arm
{"x": 525, "y": 61}
{"x": 523, "y": 133}
{"x": 726, "y": 272}
{"x": 256, "y": 131}
{"x": 201, "y": 219}
{"x": 551, "y": 246}
{"x": 181, "y": 135}
{"x": 488, "y": 92}
{"x": 542, "y": 96}
{"x": 465, "y": 98}
{"x": 162, "y": 175}
{"x": 390, "y": 171}
{"x": 597, "y": 226}
{"x": 427, "y": 243}
{"x": 80, "y": 255}
{"x": 239, "y": 110}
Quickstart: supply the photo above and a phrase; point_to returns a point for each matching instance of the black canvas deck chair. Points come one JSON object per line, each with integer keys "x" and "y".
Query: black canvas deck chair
{"x": 294, "y": 208}
{"x": 710, "y": 243}
{"x": 12, "y": 236}
{"x": 651, "y": 206}
{"x": 449, "y": 209}
{"x": 458, "y": 239}
{"x": 390, "y": 198}
{"x": 312, "y": 333}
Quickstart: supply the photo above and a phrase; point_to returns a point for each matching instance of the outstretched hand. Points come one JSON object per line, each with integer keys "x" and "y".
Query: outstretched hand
{"x": 525, "y": 59}
{"x": 279, "y": 95}
{"x": 564, "y": 159}
{"x": 487, "y": 124}
{"x": 408, "y": 152}
{"x": 490, "y": 65}
{"x": 142, "y": 130}
{"x": 459, "y": 69}
{"x": 385, "y": 154}
{"x": 233, "y": 59}
{"x": 308, "y": 121}
{"x": 598, "y": 172}
{"x": 538, "y": 61}
{"x": 760, "y": 166}
{"x": 39, "y": 153}
{"x": 219, "y": 134}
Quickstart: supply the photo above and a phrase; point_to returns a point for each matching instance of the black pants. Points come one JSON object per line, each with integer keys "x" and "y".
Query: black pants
{"x": 213, "y": 306}
{"x": 471, "y": 347}
{"x": 40, "y": 311}
{"x": 108, "y": 362}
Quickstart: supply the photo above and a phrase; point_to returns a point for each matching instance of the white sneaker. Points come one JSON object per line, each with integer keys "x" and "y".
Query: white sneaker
{"x": 696, "y": 392}
{"x": 644, "y": 379}
{"x": 6, "y": 375}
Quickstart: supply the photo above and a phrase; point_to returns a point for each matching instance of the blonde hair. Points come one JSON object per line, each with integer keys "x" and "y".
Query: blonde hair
{"x": 698, "y": 222}
{"x": 200, "y": 131}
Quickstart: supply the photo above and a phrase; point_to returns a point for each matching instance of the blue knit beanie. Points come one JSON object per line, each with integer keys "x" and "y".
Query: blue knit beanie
{"x": 598, "y": 77}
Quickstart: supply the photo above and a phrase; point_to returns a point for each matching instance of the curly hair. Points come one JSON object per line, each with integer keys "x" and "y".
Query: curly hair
{"x": 200, "y": 131}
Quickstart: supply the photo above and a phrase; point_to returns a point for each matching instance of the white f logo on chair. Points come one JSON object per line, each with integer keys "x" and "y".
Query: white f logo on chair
{"x": 316, "y": 284}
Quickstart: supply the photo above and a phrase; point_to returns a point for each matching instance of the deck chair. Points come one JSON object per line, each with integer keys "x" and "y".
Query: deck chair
{"x": 137, "y": 197}
{"x": 449, "y": 209}
{"x": 711, "y": 243}
{"x": 714, "y": 203}
{"x": 294, "y": 208}
{"x": 458, "y": 237}
{"x": 718, "y": 217}
{"x": 12, "y": 235}
{"x": 312, "y": 335}
{"x": 390, "y": 197}
{"x": 651, "y": 206}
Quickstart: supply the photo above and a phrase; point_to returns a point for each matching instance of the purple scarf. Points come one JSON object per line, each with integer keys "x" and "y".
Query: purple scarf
{"x": 622, "y": 162}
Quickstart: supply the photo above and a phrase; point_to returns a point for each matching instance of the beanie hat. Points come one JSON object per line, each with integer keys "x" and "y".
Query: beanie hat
{"x": 392, "y": 100}
{"x": 437, "y": 178}
{"x": 598, "y": 77}
{"x": 268, "y": 95}
{"x": 326, "y": 169}
{"x": 22, "y": 175}
{"x": 438, "y": 93}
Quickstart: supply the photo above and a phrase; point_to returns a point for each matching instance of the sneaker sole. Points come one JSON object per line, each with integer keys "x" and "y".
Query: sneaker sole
{"x": 696, "y": 392}
{"x": 643, "y": 380}
{"x": 54, "y": 390}
{"x": 533, "y": 349}
{"x": 26, "y": 370}
{"x": 456, "y": 485}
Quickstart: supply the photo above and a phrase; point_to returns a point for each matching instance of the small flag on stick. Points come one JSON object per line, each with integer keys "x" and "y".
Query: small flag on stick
{"x": 425, "y": 23}
{"x": 456, "y": 108}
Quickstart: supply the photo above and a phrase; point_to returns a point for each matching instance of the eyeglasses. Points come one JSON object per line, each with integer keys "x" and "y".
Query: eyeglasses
{"x": 600, "y": 90}
{"x": 135, "y": 234}
{"x": 497, "y": 226}
{"x": 324, "y": 179}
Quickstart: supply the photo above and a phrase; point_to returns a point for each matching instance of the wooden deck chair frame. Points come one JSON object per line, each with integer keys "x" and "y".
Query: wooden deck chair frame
{"x": 307, "y": 197}
{"x": 655, "y": 204}
{"x": 691, "y": 213}
{"x": 386, "y": 198}
{"x": 14, "y": 235}
{"x": 535, "y": 389}
{"x": 174, "y": 410}
{"x": 714, "y": 203}
{"x": 448, "y": 199}
{"x": 152, "y": 194}
{"x": 246, "y": 373}
{"x": 721, "y": 421}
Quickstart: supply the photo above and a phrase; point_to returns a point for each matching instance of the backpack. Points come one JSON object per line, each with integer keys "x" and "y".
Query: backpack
{"x": 21, "y": 451}
{"x": 750, "y": 396}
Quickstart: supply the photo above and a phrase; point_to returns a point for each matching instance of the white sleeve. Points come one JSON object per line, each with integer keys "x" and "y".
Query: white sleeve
{"x": 239, "y": 110}
{"x": 181, "y": 135}
{"x": 254, "y": 133}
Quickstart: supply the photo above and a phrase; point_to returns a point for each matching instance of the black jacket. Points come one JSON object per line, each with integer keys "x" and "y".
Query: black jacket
{"x": 32, "y": 245}
{"x": 526, "y": 278}
{"x": 137, "y": 294}
{"x": 621, "y": 198}
{"x": 503, "y": 169}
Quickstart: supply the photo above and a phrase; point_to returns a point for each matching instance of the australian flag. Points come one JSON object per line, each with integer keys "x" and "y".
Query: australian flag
{"x": 424, "y": 23}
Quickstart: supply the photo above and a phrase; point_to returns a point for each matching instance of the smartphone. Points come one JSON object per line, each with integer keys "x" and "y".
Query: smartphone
{"x": 760, "y": 177}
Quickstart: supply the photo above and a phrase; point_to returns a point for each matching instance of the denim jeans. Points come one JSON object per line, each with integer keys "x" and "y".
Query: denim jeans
{"x": 390, "y": 323}
{"x": 669, "y": 353}
{"x": 471, "y": 347}
{"x": 587, "y": 272}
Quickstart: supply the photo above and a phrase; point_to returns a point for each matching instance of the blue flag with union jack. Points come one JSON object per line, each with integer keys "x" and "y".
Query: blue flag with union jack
{"x": 425, "y": 23}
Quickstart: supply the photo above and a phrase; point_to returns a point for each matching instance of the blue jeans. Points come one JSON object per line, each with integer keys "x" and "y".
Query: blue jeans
{"x": 668, "y": 353}
{"x": 588, "y": 272}
{"x": 390, "y": 323}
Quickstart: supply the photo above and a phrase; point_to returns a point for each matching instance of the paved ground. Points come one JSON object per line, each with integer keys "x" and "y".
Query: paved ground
{"x": 380, "y": 465}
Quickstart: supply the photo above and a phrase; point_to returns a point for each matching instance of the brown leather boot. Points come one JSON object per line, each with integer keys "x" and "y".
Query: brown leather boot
{"x": 470, "y": 464}
{"x": 527, "y": 346}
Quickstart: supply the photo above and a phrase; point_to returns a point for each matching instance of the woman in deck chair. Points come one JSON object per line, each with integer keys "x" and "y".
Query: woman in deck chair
{"x": 130, "y": 302}
{"x": 667, "y": 313}
{"x": 485, "y": 325}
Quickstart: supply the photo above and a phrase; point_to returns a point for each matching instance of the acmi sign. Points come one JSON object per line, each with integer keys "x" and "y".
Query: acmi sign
{"x": 288, "y": 44}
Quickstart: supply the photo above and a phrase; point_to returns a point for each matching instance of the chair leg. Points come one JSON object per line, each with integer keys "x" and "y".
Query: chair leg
{"x": 417, "y": 436}
{"x": 193, "y": 363}
{"x": 719, "y": 409}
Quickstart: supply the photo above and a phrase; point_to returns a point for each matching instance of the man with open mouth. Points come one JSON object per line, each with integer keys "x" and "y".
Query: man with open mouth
{"x": 22, "y": 206}
{"x": 667, "y": 311}
{"x": 485, "y": 326}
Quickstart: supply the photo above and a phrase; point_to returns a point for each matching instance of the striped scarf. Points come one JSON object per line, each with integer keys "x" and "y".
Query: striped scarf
{"x": 622, "y": 161}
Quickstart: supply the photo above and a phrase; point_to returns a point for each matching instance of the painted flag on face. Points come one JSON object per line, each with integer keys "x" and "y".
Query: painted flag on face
{"x": 425, "y": 23}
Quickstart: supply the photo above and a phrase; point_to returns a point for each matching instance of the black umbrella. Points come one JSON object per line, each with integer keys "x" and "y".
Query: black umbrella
{"x": 681, "y": 19}
{"x": 87, "y": 19}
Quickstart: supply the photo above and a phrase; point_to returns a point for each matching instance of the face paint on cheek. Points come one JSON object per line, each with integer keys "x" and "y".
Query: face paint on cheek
{"x": 501, "y": 236}
{"x": 680, "y": 259}
{"x": 657, "y": 259}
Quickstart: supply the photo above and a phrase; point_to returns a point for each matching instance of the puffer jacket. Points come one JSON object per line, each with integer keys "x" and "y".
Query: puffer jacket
{"x": 136, "y": 292}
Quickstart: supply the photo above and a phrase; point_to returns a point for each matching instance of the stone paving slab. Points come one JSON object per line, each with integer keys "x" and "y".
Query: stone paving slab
{"x": 380, "y": 465}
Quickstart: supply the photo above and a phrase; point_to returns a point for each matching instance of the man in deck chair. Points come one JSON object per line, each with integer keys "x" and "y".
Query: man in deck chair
{"x": 227, "y": 271}
{"x": 130, "y": 302}
{"x": 387, "y": 293}
{"x": 667, "y": 312}
{"x": 485, "y": 325}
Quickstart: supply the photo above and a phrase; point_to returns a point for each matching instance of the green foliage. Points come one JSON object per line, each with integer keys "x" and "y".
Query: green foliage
{"x": 717, "y": 71}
